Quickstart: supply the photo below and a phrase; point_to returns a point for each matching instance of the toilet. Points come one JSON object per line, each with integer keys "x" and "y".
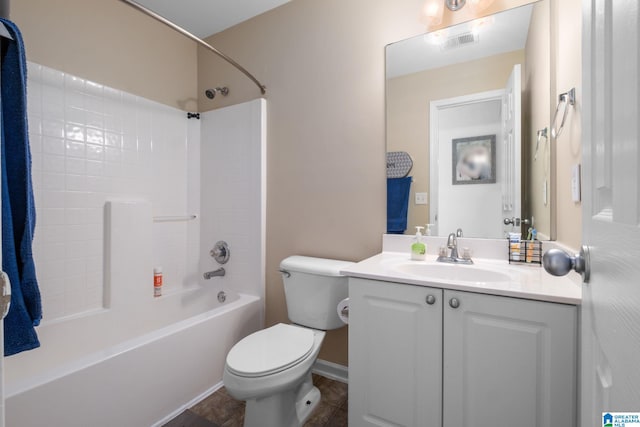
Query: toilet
{"x": 271, "y": 369}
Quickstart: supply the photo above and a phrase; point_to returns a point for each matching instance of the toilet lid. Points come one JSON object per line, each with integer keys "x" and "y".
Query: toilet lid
{"x": 270, "y": 350}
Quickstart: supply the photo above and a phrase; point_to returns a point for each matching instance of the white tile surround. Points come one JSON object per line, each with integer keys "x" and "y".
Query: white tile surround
{"x": 90, "y": 144}
{"x": 104, "y": 164}
{"x": 234, "y": 196}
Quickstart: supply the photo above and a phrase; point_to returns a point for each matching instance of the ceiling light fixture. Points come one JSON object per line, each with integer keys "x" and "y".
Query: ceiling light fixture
{"x": 433, "y": 10}
{"x": 432, "y": 13}
{"x": 454, "y": 5}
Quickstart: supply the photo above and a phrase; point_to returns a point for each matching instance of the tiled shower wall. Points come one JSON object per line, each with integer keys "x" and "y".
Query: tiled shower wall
{"x": 91, "y": 144}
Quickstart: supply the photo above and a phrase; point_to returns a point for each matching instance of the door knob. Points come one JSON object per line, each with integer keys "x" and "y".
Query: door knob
{"x": 559, "y": 263}
{"x": 454, "y": 303}
{"x": 516, "y": 221}
{"x": 431, "y": 299}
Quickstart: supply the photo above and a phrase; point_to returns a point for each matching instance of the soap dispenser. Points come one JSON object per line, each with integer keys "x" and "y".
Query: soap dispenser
{"x": 427, "y": 232}
{"x": 418, "y": 249}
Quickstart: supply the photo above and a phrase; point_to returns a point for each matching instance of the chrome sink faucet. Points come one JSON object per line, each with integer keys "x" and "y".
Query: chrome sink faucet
{"x": 454, "y": 258}
{"x": 452, "y": 243}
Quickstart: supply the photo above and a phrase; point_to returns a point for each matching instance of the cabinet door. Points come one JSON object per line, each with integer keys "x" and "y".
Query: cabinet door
{"x": 508, "y": 362}
{"x": 395, "y": 354}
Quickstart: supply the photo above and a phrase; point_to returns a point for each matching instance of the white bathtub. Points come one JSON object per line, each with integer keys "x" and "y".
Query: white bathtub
{"x": 140, "y": 360}
{"x": 142, "y": 381}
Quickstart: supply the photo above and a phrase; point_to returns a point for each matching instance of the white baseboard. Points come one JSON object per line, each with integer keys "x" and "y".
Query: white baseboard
{"x": 331, "y": 370}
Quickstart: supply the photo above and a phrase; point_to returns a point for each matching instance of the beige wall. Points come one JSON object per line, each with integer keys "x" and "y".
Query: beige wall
{"x": 538, "y": 113}
{"x": 323, "y": 65}
{"x": 566, "y": 72}
{"x": 110, "y": 43}
{"x": 408, "y": 99}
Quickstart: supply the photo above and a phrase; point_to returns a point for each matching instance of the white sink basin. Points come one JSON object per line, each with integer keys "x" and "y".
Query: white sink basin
{"x": 453, "y": 273}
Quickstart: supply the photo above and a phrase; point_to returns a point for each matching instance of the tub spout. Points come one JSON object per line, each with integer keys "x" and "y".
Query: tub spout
{"x": 219, "y": 272}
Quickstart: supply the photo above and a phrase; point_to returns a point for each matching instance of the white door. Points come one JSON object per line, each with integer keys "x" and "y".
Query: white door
{"x": 610, "y": 372}
{"x": 511, "y": 141}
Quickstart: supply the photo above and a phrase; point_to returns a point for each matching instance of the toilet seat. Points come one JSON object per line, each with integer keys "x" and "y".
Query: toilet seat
{"x": 270, "y": 350}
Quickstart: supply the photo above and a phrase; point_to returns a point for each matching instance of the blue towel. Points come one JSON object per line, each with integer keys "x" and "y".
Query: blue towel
{"x": 397, "y": 204}
{"x": 18, "y": 208}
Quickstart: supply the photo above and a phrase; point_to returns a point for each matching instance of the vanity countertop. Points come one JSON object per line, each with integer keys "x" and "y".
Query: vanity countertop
{"x": 528, "y": 282}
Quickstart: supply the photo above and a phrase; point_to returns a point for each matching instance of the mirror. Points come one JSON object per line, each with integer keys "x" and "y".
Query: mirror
{"x": 471, "y": 144}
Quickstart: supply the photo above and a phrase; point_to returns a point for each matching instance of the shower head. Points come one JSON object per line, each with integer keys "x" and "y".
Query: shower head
{"x": 211, "y": 93}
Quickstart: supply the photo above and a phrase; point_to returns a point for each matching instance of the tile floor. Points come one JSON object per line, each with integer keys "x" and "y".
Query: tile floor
{"x": 222, "y": 410}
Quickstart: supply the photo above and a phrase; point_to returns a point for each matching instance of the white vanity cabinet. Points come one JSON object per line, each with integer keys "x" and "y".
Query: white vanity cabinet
{"x": 508, "y": 361}
{"x": 395, "y": 354}
{"x": 466, "y": 360}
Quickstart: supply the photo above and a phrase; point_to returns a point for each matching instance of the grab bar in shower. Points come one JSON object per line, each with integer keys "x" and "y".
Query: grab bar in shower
{"x": 176, "y": 218}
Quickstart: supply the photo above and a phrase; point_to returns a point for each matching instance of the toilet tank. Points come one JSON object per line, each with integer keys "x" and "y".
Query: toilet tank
{"x": 313, "y": 287}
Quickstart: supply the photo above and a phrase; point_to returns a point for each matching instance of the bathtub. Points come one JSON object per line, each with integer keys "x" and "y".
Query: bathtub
{"x": 138, "y": 361}
{"x": 143, "y": 381}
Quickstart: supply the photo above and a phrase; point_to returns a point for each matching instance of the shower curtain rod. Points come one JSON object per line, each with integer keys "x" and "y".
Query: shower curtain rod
{"x": 201, "y": 42}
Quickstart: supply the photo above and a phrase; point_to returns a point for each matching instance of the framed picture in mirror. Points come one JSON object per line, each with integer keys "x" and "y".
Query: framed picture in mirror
{"x": 473, "y": 160}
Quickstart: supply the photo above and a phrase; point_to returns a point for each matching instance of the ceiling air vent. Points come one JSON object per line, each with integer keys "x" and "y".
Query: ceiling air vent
{"x": 460, "y": 40}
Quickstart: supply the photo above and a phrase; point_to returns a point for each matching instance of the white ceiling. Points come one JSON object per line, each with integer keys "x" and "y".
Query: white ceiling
{"x": 505, "y": 32}
{"x": 206, "y": 17}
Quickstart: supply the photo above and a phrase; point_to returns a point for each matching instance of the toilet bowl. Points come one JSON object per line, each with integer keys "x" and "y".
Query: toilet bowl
{"x": 279, "y": 379}
{"x": 271, "y": 369}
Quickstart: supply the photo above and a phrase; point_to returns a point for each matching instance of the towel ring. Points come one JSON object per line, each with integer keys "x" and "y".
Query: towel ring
{"x": 542, "y": 133}
{"x": 566, "y": 99}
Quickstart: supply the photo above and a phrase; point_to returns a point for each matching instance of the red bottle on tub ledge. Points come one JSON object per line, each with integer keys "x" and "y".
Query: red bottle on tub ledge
{"x": 157, "y": 281}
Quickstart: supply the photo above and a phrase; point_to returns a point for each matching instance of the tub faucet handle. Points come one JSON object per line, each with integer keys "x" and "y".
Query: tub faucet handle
{"x": 220, "y": 252}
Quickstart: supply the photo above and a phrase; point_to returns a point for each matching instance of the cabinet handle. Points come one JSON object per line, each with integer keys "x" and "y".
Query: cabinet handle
{"x": 454, "y": 303}
{"x": 431, "y": 299}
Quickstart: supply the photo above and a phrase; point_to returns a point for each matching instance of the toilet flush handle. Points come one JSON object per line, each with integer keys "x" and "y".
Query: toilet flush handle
{"x": 285, "y": 273}
{"x": 345, "y": 311}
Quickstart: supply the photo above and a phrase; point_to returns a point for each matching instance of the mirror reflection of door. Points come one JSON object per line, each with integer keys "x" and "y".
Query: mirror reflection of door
{"x": 476, "y": 204}
{"x": 512, "y": 149}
